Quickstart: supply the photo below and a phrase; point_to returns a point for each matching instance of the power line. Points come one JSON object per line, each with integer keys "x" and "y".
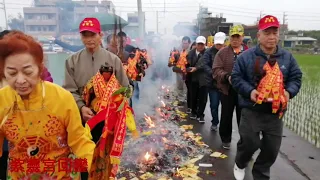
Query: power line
{"x": 229, "y": 12}
{"x": 151, "y": 4}
{"x": 233, "y": 7}
{"x": 186, "y": 5}
{"x": 222, "y": 9}
{"x": 191, "y": 4}
{"x": 316, "y": 20}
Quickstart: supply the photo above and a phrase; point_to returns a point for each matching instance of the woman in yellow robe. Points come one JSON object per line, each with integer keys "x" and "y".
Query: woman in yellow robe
{"x": 40, "y": 120}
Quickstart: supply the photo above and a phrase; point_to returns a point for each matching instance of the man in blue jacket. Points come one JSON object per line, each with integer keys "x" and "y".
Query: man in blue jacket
{"x": 256, "y": 71}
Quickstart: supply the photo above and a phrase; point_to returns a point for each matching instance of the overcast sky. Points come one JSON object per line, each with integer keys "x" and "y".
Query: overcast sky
{"x": 301, "y": 14}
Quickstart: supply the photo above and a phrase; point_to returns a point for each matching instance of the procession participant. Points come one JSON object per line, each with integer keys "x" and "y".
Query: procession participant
{"x": 179, "y": 61}
{"x": 266, "y": 77}
{"x": 112, "y": 46}
{"x": 193, "y": 46}
{"x": 137, "y": 64}
{"x": 206, "y": 77}
{"x": 4, "y": 158}
{"x": 138, "y": 61}
{"x": 222, "y": 68}
{"x": 198, "y": 95}
{"x": 34, "y": 117}
{"x": 83, "y": 65}
{"x": 129, "y": 48}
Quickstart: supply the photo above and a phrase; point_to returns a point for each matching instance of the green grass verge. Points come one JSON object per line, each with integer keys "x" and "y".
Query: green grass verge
{"x": 310, "y": 65}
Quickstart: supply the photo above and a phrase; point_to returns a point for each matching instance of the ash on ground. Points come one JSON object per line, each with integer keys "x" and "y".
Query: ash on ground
{"x": 163, "y": 146}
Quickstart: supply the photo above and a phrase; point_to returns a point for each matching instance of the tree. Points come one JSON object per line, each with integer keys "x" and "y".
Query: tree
{"x": 292, "y": 33}
{"x": 16, "y": 22}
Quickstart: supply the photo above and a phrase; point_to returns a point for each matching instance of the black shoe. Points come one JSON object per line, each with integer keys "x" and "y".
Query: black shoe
{"x": 201, "y": 120}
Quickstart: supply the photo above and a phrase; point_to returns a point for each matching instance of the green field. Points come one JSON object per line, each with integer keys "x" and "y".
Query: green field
{"x": 303, "y": 115}
{"x": 310, "y": 65}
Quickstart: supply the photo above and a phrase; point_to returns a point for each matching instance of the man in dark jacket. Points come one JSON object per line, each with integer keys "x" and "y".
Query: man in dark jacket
{"x": 127, "y": 47}
{"x": 222, "y": 68}
{"x": 112, "y": 47}
{"x": 256, "y": 71}
{"x": 198, "y": 94}
{"x": 206, "y": 79}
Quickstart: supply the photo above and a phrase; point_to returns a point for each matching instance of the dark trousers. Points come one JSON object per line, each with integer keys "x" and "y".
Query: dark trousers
{"x": 199, "y": 97}
{"x": 214, "y": 97}
{"x": 252, "y": 123}
{"x": 202, "y": 98}
{"x": 188, "y": 84}
{"x": 130, "y": 102}
{"x": 4, "y": 165}
{"x": 228, "y": 103}
{"x": 136, "y": 91}
{"x": 84, "y": 176}
{"x": 194, "y": 97}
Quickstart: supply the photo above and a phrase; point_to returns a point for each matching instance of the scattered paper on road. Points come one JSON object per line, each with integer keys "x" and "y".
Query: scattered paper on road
{"x": 205, "y": 165}
{"x": 187, "y": 127}
{"x": 218, "y": 155}
{"x": 146, "y": 176}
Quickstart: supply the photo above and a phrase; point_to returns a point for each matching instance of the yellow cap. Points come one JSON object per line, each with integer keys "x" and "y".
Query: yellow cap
{"x": 237, "y": 29}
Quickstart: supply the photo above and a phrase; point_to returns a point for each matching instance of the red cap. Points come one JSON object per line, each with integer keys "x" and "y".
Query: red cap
{"x": 267, "y": 22}
{"x": 90, "y": 24}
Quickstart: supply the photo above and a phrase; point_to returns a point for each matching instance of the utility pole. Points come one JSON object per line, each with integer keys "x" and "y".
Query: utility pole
{"x": 199, "y": 19}
{"x": 157, "y": 22}
{"x": 164, "y": 8}
{"x": 5, "y": 12}
{"x": 85, "y": 7}
{"x": 141, "y": 19}
{"x": 283, "y": 27}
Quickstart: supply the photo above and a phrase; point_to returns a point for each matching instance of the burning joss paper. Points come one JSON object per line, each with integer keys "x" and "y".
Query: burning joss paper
{"x": 164, "y": 147}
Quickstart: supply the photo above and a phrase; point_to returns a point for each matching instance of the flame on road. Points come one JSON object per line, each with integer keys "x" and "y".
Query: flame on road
{"x": 149, "y": 121}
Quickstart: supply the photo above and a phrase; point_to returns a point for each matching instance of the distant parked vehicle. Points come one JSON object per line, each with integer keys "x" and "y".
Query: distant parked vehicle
{"x": 46, "y": 47}
{"x": 57, "y": 48}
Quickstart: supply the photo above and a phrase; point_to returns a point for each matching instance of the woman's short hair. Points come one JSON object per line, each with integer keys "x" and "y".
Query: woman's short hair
{"x": 16, "y": 42}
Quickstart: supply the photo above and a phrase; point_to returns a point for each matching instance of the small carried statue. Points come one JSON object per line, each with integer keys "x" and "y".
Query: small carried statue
{"x": 271, "y": 87}
{"x": 109, "y": 101}
{"x": 137, "y": 64}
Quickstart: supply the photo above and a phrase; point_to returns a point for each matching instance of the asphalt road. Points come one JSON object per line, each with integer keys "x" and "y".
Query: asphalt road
{"x": 283, "y": 169}
{"x": 297, "y": 160}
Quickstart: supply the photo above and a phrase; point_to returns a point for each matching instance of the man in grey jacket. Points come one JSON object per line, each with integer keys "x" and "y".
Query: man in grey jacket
{"x": 83, "y": 65}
